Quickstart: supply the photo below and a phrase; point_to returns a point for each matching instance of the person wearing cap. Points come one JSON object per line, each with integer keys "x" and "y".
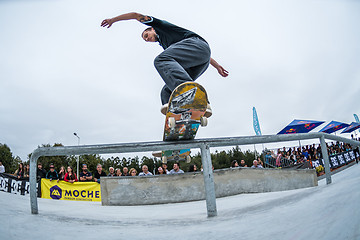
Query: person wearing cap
{"x": 52, "y": 174}
{"x": 40, "y": 173}
{"x": 85, "y": 175}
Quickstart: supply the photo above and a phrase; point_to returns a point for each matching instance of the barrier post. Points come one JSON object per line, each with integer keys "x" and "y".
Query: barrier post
{"x": 33, "y": 190}
{"x": 208, "y": 181}
{"x": 326, "y": 159}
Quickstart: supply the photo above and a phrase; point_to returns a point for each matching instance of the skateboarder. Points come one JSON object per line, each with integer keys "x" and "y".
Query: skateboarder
{"x": 185, "y": 57}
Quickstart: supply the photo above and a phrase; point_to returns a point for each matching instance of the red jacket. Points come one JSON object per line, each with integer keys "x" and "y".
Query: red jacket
{"x": 66, "y": 178}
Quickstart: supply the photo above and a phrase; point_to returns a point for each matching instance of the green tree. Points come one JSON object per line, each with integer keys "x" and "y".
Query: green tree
{"x": 57, "y": 161}
{"x": 10, "y": 162}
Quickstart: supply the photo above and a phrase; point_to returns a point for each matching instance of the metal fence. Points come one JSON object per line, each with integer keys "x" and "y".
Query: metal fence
{"x": 203, "y": 144}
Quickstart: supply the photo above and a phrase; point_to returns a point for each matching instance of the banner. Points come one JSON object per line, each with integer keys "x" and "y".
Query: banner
{"x": 11, "y": 184}
{"x": 256, "y": 122}
{"x": 337, "y": 160}
{"x": 77, "y": 191}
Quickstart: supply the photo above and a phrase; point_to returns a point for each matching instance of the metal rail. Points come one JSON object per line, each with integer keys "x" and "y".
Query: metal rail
{"x": 203, "y": 144}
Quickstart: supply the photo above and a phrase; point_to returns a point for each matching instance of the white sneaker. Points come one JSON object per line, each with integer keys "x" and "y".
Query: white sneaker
{"x": 208, "y": 112}
{"x": 164, "y": 108}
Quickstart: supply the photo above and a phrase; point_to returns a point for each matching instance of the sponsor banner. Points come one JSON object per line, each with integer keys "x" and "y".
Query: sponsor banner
{"x": 77, "y": 191}
{"x": 336, "y": 160}
{"x": 11, "y": 184}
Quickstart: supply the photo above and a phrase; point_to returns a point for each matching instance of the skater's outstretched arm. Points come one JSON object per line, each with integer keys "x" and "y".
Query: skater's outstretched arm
{"x": 127, "y": 16}
{"x": 220, "y": 69}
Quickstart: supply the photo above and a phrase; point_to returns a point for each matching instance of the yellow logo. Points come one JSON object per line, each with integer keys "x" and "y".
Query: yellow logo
{"x": 55, "y": 192}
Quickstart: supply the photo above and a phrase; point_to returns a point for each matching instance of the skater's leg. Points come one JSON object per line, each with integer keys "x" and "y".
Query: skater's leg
{"x": 183, "y": 62}
{"x": 165, "y": 95}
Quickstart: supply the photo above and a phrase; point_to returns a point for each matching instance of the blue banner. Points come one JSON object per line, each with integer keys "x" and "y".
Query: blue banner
{"x": 256, "y": 122}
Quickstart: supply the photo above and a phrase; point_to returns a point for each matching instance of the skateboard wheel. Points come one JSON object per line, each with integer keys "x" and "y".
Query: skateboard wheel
{"x": 171, "y": 122}
{"x": 164, "y": 159}
{"x": 188, "y": 159}
{"x": 203, "y": 121}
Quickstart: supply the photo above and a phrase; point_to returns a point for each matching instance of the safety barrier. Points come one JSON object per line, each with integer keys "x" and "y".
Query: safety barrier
{"x": 203, "y": 144}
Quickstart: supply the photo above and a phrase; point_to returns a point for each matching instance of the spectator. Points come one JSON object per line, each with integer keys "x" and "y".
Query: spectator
{"x": 164, "y": 166}
{"x": 85, "y": 175}
{"x": 192, "y": 168}
{"x": 125, "y": 172}
{"x": 52, "y": 174}
{"x": 19, "y": 173}
{"x": 99, "y": 173}
{"x": 133, "y": 172}
{"x": 256, "y": 164}
{"x": 62, "y": 173}
{"x": 160, "y": 171}
{"x": 261, "y": 162}
{"x": 145, "y": 171}
{"x": 40, "y": 173}
{"x": 234, "y": 164}
{"x": 26, "y": 170}
{"x": 176, "y": 169}
{"x": 278, "y": 159}
{"x": 267, "y": 157}
{"x": 242, "y": 163}
{"x": 118, "y": 172}
{"x": 70, "y": 176}
{"x": 2, "y": 168}
{"x": 111, "y": 172}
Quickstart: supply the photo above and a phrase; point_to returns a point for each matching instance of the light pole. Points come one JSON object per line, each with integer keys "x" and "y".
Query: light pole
{"x": 77, "y": 160}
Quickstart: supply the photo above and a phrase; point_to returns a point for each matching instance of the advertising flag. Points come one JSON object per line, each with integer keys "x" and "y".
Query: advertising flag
{"x": 256, "y": 122}
{"x": 356, "y": 119}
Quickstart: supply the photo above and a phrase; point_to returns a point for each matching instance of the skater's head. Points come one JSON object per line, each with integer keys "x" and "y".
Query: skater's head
{"x": 149, "y": 35}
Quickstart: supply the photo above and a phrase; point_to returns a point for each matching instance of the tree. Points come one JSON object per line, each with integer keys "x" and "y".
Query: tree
{"x": 10, "y": 162}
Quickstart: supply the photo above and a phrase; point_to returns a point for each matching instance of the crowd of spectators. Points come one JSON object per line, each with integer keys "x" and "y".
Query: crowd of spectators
{"x": 86, "y": 176}
{"x": 283, "y": 157}
{"x": 295, "y": 155}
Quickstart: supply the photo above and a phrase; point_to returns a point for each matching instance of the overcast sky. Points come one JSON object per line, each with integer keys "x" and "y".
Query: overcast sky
{"x": 61, "y": 73}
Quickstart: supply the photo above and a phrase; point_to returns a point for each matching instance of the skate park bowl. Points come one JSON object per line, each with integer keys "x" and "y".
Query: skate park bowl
{"x": 186, "y": 187}
{"x": 208, "y": 184}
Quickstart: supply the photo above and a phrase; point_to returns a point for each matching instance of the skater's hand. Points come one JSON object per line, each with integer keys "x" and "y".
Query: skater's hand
{"x": 107, "y": 22}
{"x": 222, "y": 71}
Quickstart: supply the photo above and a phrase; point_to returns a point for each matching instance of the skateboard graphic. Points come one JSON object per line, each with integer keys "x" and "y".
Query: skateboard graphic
{"x": 187, "y": 106}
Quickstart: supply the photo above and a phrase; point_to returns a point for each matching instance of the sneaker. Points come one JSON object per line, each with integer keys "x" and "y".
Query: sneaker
{"x": 208, "y": 112}
{"x": 164, "y": 108}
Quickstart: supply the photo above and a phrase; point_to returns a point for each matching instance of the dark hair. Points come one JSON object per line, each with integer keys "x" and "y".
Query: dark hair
{"x": 177, "y": 164}
{"x": 72, "y": 177}
{"x": 162, "y": 169}
{"x": 192, "y": 168}
{"x": 233, "y": 163}
{"x": 147, "y": 29}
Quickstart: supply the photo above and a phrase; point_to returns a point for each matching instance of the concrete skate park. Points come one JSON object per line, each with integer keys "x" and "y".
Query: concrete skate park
{"x": 329, "y": 210}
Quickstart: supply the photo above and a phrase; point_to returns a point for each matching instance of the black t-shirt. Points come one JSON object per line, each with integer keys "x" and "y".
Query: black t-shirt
{"x": 169, "y": 33}
{"x": 41, "y": 173}
{"x": 97, "y": 175}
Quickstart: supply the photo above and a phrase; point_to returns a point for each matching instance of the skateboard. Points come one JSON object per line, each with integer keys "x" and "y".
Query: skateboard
{"x": 173, "y": 155}
{"x": 187, "y": 106}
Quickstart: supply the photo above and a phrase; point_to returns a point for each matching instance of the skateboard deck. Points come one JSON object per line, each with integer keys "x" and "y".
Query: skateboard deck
{"x": 187, "y": 106}
{"x": 173, "y": 155}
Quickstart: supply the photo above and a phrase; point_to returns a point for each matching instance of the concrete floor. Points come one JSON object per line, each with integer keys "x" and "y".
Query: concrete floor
{"x": 323, "y": 212}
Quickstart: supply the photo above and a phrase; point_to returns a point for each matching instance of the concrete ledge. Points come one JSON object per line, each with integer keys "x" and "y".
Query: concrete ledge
{"x": 127, "y": 191}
